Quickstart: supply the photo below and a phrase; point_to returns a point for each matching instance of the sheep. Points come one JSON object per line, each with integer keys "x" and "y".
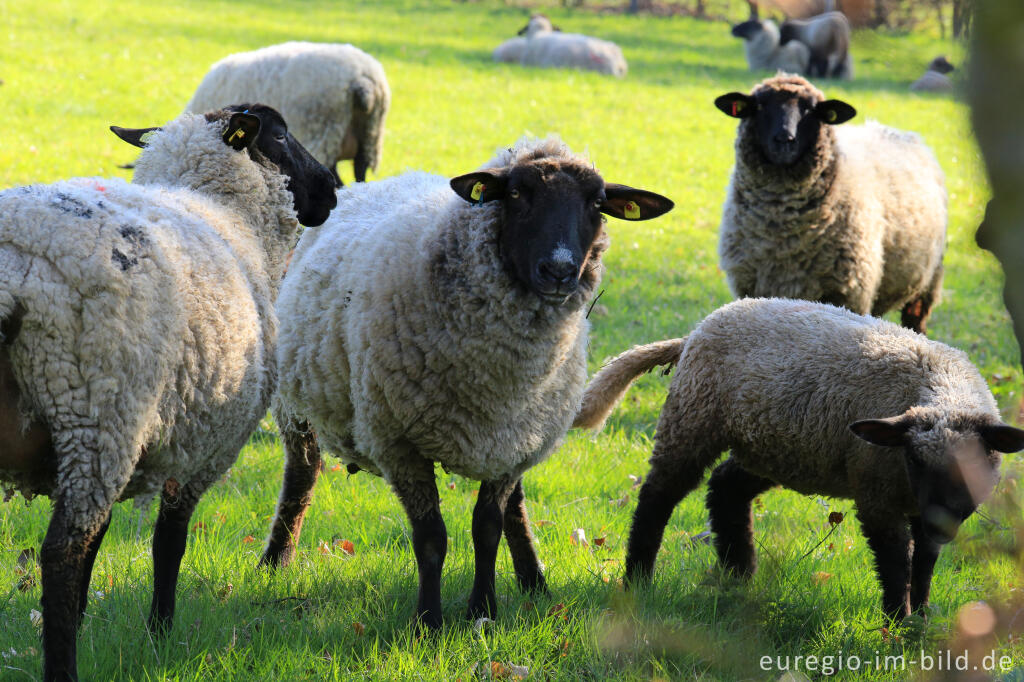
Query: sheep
{"x": 545, "y": 45}
{"x": 934, "y": 78}
{"x": 443, "y": 321}
{"x": 828, "y": 38}
{"x": 334, "y": 97}
{"x": 853, "y": 216}
{"x": 764, "y": 52}
{"x": 138, "y": 330}
{"x": 812, "y": 397}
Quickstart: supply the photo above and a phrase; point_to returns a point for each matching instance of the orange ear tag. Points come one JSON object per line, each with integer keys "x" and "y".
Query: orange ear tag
{"x": 631, "y": 210}
{"x": 478, "y": 191}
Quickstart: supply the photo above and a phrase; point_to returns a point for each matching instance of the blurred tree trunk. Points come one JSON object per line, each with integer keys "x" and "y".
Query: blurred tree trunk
{"x": 700, "y": 10}
{"x": 753, "y": 8}
{"x": 963, "y": 11}
{"x": 634, "y": 5}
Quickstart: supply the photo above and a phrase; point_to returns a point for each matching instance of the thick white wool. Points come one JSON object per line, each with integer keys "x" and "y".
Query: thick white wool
{"x": 545, "y": 47}
{"x": 764, "y": 53}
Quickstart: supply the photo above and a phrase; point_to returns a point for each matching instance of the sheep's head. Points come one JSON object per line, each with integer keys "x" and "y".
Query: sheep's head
{"x": 786, "y": 114}
{"x": 262, "y": 131}
{"x": 952, "y": 462}
{"x": 748, "y": 30}
{"x": 551, "y": 216}
{"x": 538, "y": 24}
{"x": 941, "y": 65}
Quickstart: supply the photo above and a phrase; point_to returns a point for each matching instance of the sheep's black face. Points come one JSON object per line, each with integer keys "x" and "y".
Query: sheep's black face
{"x": 786, "y": 124}
{"x": 311, "y": 184}
{"x": 941, "y": 65}
{"x": 551, "y": 215}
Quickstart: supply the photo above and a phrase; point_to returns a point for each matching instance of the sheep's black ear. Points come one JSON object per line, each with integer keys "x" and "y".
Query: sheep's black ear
{"x": 627, "y": 203}
{"x": 242, "y": 130}
{"x": 136, "y": 136}
{"x": 889, "y": 432}
{"x": 737, "y": 105}
{"x": 1002, "y": 437}
{"x": 522, "y": 31}
{"x": 481, "y": 186}
{"x": 834, "y": 111}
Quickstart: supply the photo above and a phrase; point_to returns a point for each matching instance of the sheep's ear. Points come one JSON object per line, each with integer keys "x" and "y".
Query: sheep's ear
{"x": 737, "y": 105}
{"x": 627, "y": 203}
{"x": 1002, "y": 437}
{"x": 481, "y": 186}
{"x": 834, "y": 111}
{"x": 556, "y": 28}
{"x": 889, "y": 432}
{"x": 522, "y": 31}
{"x": 136, "y": 136}
{"x": 242, "y": 130}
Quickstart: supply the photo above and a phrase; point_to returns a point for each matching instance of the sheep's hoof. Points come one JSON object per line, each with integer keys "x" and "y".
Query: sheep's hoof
{"x": 275, "y": 557}
{"x": 482, "y": 607}
{"x": 427, "y": 623}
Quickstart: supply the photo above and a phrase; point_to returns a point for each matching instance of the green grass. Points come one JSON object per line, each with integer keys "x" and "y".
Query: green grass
{"x": 73, "y": 68}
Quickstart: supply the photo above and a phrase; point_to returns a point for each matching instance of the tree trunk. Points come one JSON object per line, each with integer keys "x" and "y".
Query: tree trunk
{"x": 963, "y": 11}
{"x": 753, "y": 9}
{"x": 634, "y": 5}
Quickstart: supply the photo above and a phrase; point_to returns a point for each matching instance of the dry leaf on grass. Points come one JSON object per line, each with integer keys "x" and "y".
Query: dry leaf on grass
{"x": 359, "y": 628}
{"x": 248, "y": 539}
{"x": 835, "y": 518}
{"x": 820, "y": 577}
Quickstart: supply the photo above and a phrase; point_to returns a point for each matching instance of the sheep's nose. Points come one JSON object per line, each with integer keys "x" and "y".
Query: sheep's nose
{"x": 557, "y": 272}
{"x": 784, "y": 137}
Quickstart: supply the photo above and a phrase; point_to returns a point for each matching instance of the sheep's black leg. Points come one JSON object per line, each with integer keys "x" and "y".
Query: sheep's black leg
{"x": 925, "y": 554}
{"x": 337, "y": 178}
{"x": 529, "y": 572}
{"x": 169, "y": 536}
{"x": 488, "y": 517}
{"x": 360, "y": 164}
{"x": 731, "y": 489}
{"x": 90, "y": 559}
{"x": 302, "y": 466}
{"x": 417, "y": 491}
{"x": 889, "y": 540}
{"x": 915, "y": 313}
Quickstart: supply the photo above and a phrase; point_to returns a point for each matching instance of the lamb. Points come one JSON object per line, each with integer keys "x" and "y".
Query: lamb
{"x": 765, "y": 52}
{"x": 828, "y": 38}
{"x": 138, "y": 335}
{"x": 435, "y": 321}
{"x": 934, "y": 78}
{"x": 544, "y": 45}
{"x": 854, "y": 216}
{"x": 334, "y": 97}
{"x": 812, "y": 397}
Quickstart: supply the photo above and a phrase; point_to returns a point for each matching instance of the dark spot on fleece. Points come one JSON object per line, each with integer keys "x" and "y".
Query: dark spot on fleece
{"x": 122, "y": 260}
{"x": 69, "y": 204}
{"x": 134, "y": 235}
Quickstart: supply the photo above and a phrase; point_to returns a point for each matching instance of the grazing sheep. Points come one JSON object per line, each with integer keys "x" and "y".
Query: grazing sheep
{"x": 544, "y": 45}
{"x": 421, "y": 325}
{"x": 935, "y": 78}
{"x": 765, "y": 52}
{"x": 828, "y": 38}
{"x": 334, "y": 97}
{"x": 813, "y": 398}
{"x": 138, "y": 331}
{"x": 853, "y": 216}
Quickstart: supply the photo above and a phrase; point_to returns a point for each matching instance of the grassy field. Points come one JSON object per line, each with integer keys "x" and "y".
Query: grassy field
{"x": 70, "y": 69}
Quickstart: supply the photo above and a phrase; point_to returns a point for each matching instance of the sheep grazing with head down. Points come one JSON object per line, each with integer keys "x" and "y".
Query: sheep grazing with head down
{"x": 825, "y": 402}
{"x": 827, "y": 36}
{"x": 137, "y": 337}
{"x": 545, "y": 45}
{"x": 854, "y": 216}
{"x": 764, "y": 50}
{"x": 442, "y": 322}
{"x": 934, "y": 78}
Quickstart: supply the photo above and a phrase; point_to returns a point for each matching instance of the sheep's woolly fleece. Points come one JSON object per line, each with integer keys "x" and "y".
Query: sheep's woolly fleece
{"x": 147, "y": 339}
{"x": 860, "y": 219}
{"x": 403, "y": 336}
{"x": 764, "y": 53}
{"x": 545, "y": 47}
{"x": 333, "y": 97}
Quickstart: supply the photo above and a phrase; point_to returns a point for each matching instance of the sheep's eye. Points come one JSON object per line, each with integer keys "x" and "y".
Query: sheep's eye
{"x": 597, "y": 203}
{"x": 281, "y": 138}
{"x": 514, "y": 194}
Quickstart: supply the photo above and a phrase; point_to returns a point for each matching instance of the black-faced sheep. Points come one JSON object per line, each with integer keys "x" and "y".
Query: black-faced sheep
{"x": 544, "y": 45}
{"x": 827, "y": 36}
{"x": 423, "y": 326}
{"x": 764, "y": 52}
{"x": 934, "y": 78}
{"x": 822, "y": 401}
{"x": 854, "y": 216}
{"x": 138, "y": 337}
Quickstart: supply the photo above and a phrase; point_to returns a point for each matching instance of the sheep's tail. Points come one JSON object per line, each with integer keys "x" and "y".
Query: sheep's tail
{"x": 608, "y": 386}
{"x": 370, "y": 102}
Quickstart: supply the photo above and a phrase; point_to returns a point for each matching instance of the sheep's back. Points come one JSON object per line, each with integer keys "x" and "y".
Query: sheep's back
{"x": 575, "y": 51}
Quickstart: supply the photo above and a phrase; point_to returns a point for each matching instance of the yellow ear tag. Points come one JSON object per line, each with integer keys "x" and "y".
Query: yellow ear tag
{"x": 238, "y": 133}
{"x": 831, "y": 115}
{"x": 631, "y": 210}
{"x": 146, "y": 138}
{"x": 478, "y": 191}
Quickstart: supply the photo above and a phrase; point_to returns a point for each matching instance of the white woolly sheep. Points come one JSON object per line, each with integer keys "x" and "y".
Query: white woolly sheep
{"x": 853, "y": 216}
{"x": 827, "y": 36}
{"x": 544, "y": 45}
{"x": 421, "y": 325}
{"x": 934, "y": 78}
{"x": 334, "y": 97}
{"x": 802, "y": 395}
{"x": 137, "y": 350}
{"x": 764, "y": 51}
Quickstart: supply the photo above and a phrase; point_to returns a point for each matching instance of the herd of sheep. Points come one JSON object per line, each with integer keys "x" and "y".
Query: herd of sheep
{"x": 425, "y": 320}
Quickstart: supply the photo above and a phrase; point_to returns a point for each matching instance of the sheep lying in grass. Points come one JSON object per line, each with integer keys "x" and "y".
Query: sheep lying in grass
{"x": 138, "y": 330}
{"x": 334, "y": 97}
{"x": 545, "y": 45}
{"x": 854, "y": 216}
{"x": 934, "y": 78}
{"x": 821, "y": 401}
{"x": 421, "y": 325}
{"x": 764, "y": 51}
{"x": 827, "y": 36}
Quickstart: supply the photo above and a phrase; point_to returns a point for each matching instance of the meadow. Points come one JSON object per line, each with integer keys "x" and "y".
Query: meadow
{"x": 343, "y": 609}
